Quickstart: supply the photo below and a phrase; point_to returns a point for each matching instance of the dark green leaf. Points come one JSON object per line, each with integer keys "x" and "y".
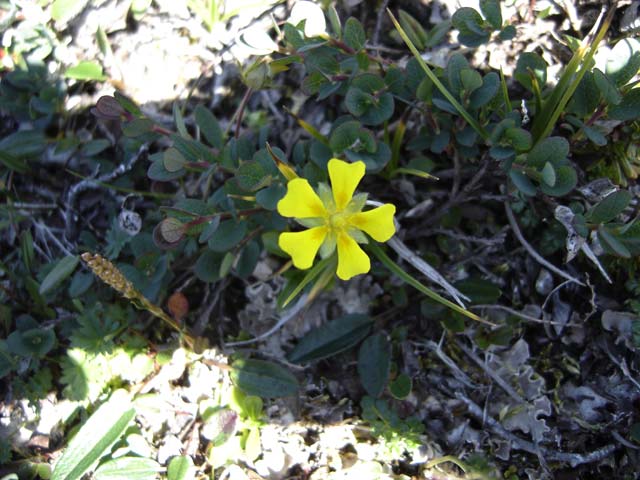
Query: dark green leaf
{"x": 507, "y": 33}
{"x": 209, "y": 230}
{"x": 137, "y": 127}
{"x": 59, "y": 273}
{"x": 357, "y": 101}
{"x": 228, "y": 235}
{"x": 264, "y": 379}
{"x": 607, "y": 88}
{"x": 25, "y": 143}
{"x": 610, "y": 207}
{"x": 331, "y": 338}
{"x": 207, "y": 267}
{"x": 479, "y": 290}
{"x": 354, "y": 35}
{"x": 552, "y": 149}
{"x": 374, "y": 363}
{"x": 611, "y": 243}
{"x": 209, "y": 126}
{"x": 486, "y": 93}
{"x": 36, "y": 342}
{"x": 624, "y": 61}
{"x": 269, "y": 197}
{"x": 471, "y": 27}
{"x": 518, "y": 138}
{"x": 491, "y": 11}
{"x": 251, "y": 176}
{"x": 628, "y": 108}
{"x": 13, "y": 163}
{"x": 522, "y": 183}
{"x": 401, "y": 386}
{"x": 566, "y": 180}
{"x": 413, "y": 29}
{"x": 531, "y": 65}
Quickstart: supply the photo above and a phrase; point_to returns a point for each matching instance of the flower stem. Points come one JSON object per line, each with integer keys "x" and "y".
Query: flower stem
{"x": 395, "y": 268}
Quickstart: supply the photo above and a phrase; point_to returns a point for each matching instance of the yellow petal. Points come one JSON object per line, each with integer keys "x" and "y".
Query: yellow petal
{"x": 302, "y": 246}
{"x": 352, "y": 260}
{"x": 300, "y": 201}
{"x": 344, "y": 180}
{"x": 378, "y": 223}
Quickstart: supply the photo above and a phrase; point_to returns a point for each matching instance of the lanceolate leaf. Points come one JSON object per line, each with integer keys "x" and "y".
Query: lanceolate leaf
{"x": 332, "y": 338}
{"x": 60, "y": 272}
{"x": 609, "y": 208}
{"x": 96, "y": 436}
{"x": 374, "y": 363}
{"x": 264, "y": 379}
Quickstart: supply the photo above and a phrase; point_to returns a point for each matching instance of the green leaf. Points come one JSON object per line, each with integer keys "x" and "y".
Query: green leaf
{"x": 491, "y": 11}
{"x": 401, "y": 386}
{"x": 531, "y": 65}
{"x": 252, "y": 176}
{"x": 549, "y": 174}
{"x": 180, "y": 468}
{"x": 471, "y": 80}
{"x": 566, "y": 180}
{"x": 220, "y": 426}
{"x": 36, "y": 342}
{"x": 628, "y": 108}
{"x": 64, "y": 10}
{"x": 611, "y": 243}
{"x": 624, "y": 61}
{"x": 507, "y": 33}
{"x": 173, "y": 160}
{"x": 209, "y": 126}
{"x": 374, "y": 364}
{"x": 471, "y": 27}
{"x": 485, "y": 93}
{"x": 59, "y": 273}
{"x": 131, "y": 468}
{"x": 607, "y": 88}
{"x": 413, "y": 29}
{"x": 25, "y": 143}
{"x": 207, "y": 267}
{"x": 137, "y": 127}
{"x": 610, "y": 207}
{"x": 354, "y": 35}
{"x": 269, "y": 197}
{"x": 351, "y": 135}
{"x": 85, "y": 71}
{"x": 13, "y": 163}
{"x": 518, "y": 138}
{"x": 228, "y": 234}
{"x": 357, "y": 101}
{"x": 95, "y": 438}
{"x": 331, "y": 338}
{"x": 552, "y": 149}
{"x": 264, "y": 379}
{"x": 178, "y": 120}
{"x": 159, "y": 173}
{"x": 480, "y": 291}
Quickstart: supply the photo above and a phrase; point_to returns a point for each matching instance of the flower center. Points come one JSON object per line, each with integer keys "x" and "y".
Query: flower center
{"x": 338, "y": 221}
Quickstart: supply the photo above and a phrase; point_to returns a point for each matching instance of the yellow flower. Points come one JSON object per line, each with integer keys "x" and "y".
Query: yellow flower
{"x": 335, "y": 220}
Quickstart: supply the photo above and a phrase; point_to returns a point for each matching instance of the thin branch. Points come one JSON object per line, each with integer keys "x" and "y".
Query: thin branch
{"x": 574, "y": 459}
{"x": 524, "y": 316}
{"x": 530, "y": 249}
